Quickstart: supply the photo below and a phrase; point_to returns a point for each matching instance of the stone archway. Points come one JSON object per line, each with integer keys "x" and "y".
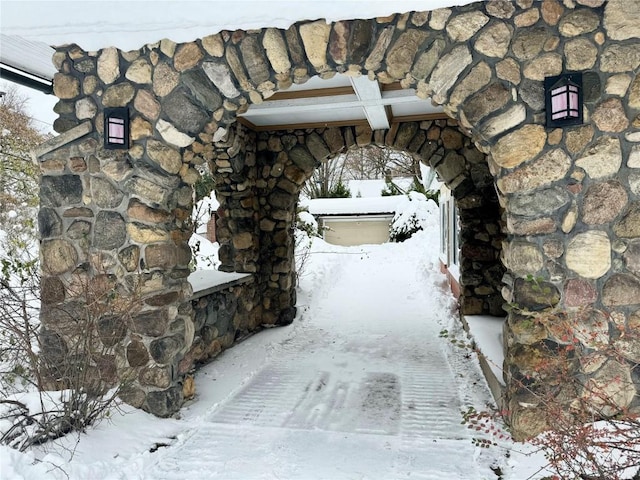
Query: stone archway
{"x": 570, "y": 197}
{"x": 285, "y": 160}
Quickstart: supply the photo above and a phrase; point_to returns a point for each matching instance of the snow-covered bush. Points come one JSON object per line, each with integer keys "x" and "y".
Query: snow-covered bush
{"x": 415, "y": 212}
{"x": 205, "y": 252}
{"x": 307, "y": 223}
{"x": 306, "y": 230}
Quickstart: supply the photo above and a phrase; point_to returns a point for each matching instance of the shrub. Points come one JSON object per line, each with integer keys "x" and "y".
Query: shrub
{"x": 587, "y": 430}
{"x": 46, "y": 393}
{"x": 412, "y": 215}
{"x": 339, "y": 190}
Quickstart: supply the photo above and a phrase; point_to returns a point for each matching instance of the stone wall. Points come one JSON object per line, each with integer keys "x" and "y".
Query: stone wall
{"x": 220, "y": 317}
{"x": 116, "y": 301}
{"x": 570, "y": 196}
{"x": 287, "y": 159}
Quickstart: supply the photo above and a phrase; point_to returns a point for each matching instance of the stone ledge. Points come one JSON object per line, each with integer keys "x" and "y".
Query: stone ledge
{"x": 486, "y": 333}
{"x": 63, "y": 139}
{"x": 206, "y": 282}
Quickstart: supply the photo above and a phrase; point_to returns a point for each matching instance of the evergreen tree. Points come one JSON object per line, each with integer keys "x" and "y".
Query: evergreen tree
{"x": 339, "y": 190}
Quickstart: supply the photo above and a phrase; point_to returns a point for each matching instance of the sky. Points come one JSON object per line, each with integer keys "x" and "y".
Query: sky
{"x": 39, "y": 106}
{"x": 360, "y": 386}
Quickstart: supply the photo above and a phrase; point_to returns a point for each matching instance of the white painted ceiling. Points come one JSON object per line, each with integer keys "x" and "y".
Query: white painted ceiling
{"x": 314, "y": 104}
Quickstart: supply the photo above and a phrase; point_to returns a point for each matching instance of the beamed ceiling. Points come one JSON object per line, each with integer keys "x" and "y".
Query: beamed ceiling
{"x": 339, "y": 101}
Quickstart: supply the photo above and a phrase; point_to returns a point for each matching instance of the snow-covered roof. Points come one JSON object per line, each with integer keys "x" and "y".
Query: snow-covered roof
{"x": 129, "y": 25}
{"x": 373, "y": 188}
{"x": 27, "y": 60}
{"x": 31, "y": 56}
{"x": 353, "y": 206}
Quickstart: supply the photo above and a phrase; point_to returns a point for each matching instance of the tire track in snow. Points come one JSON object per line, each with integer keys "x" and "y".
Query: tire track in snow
{"x": 364, "y": 390}
{"x": 267, "y": 400}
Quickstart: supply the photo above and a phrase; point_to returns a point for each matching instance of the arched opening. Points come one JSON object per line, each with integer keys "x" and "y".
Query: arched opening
{"x": 198, "y": 99}
{"x": 459, "y": 164}
{"x": 485, "y": 63}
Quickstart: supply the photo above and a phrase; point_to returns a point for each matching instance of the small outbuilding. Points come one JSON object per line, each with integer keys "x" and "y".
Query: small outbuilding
{"x": 354, "y": 221}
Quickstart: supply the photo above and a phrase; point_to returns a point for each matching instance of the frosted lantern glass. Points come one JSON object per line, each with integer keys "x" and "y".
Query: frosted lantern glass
{"x": 116, "y": 130}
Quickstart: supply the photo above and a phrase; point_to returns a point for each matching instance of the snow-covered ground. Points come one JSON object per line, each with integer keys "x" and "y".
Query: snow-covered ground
{"x": 360, "y": 386}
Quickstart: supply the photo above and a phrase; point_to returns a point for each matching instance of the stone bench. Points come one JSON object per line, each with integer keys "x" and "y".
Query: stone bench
{"x": 218, "y": 321}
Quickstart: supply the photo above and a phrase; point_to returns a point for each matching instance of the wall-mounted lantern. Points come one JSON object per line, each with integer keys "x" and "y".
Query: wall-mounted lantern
{"x": 563, "y": 99}
{"x": 116, "y": 128}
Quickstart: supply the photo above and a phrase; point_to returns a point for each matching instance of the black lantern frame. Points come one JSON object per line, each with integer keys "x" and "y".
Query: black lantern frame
{"x": 116, "y": 128}
{"x": 563, "y": 97}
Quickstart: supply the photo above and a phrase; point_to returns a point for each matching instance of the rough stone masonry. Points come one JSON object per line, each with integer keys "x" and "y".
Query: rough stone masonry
{"x": 559, "y": 205}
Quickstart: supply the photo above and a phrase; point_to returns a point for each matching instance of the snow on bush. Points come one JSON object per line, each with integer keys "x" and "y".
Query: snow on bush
{"x": 305, "y": 232}
{"x": 23, "y": 466}
{"x": 205, "y": 253}
{"x": 307, "y": 223}
{"x": 415, "y": 212}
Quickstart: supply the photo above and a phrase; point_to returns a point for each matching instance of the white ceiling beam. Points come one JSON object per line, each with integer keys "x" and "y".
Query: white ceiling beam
{"x": 281, "y": 107}
{"x": 367, "y": 90}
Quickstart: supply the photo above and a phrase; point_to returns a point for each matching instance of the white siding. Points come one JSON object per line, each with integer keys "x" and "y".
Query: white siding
{"x": 449, "y": 233}
{"x": 356, "y": 230}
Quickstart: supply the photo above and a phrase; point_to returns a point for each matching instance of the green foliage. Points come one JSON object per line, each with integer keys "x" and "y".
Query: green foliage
{"x": 306, "y": 231}
{"x": 407, "y": 230}
{"x": 339, "y": 190}
{"x": 391, "y": 189}
{"x": 304, "y": 224}
{"x": 537, "y": 284}
{"x": 417, "y": 186}
{"x": 18, "y": 269}
{"x": 410, "y": 218}
{"x": 204, "y": 186}
{"x": 433, "y": 195}
{"x": 444, "y": 333}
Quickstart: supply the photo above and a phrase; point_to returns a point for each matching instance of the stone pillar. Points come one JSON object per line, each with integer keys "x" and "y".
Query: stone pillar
{"x": 571, "y": 337}
{"x": 234, "y": 171}
{"x": 464, "y": 169}
{"x": 114, "y": 258}
{"x": 115, "y": 226}
{"x": 279, "y": 183}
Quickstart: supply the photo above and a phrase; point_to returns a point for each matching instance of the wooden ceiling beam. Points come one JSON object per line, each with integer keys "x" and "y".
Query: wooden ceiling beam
{"x": 341, "y": 123}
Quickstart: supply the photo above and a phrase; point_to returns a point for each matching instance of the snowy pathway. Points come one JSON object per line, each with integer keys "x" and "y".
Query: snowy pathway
{"x": 362, "y": 388}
